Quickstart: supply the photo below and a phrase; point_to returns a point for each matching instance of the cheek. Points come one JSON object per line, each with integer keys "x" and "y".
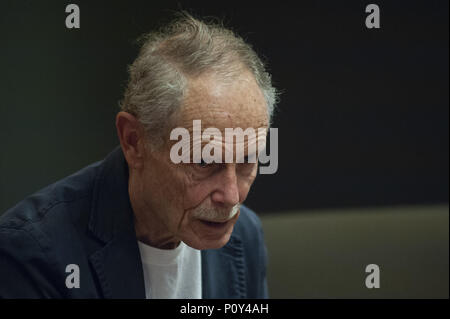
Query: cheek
{"x": 243, "y": 189}
{"x": 185, "y": 191}
{"x": 164, "y": 190}
{"x": 245, "y": 182}
{"x": 196, "y": 194}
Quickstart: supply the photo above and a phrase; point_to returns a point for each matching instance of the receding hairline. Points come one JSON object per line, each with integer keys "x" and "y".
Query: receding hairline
{"x": 169, "y": 52}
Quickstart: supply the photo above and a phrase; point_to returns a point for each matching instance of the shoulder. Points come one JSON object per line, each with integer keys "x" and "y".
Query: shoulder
{"x": 52, "y": 214}
{"x": 51, "y": 203}
{"x": 38, "y": 234}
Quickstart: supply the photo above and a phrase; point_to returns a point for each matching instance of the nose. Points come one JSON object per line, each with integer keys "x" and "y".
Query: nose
{"x": 227, "y": 192}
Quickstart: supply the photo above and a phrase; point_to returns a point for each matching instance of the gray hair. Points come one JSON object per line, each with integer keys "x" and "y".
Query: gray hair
{"x": 186, "y": 48}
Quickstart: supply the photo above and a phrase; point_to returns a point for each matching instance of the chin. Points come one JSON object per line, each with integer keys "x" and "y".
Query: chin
{"x": 208, "y": 241}
{"x": 215, "y": 244}
{"x": 204, "y": 244}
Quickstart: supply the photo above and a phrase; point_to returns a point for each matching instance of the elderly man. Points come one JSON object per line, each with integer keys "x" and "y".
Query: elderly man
{"x": 138, "y": 225}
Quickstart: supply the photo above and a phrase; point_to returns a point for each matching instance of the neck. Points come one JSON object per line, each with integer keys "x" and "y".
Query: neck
{"x": 148, "y": 227}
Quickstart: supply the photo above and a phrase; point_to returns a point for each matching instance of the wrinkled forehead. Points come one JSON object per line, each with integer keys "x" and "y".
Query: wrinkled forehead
{"x": 235, "y": 145}
{"x": 231, "y": 116}
{"x": 237, "y": 103}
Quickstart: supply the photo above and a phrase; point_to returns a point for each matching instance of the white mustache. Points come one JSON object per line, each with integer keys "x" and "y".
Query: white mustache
{"x": 214, "y": 214}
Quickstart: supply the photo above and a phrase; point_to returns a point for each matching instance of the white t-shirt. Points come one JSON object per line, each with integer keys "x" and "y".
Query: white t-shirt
{"x": 171, "y": 273}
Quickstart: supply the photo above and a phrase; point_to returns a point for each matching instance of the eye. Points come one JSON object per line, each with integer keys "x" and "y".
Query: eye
{"x": 203, "y": 164}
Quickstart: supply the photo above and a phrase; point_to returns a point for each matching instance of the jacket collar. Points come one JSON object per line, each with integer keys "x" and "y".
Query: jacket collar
{"x": 223, "y": 271}
{"x": 111, "y": 212}
{"x": 118, "y": 263}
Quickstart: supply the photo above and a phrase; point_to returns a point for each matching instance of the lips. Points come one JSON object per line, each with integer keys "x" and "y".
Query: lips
{"x": 216, "y": 221}
{"x": 214, "y": 224}
{"x": 209, "y": 229}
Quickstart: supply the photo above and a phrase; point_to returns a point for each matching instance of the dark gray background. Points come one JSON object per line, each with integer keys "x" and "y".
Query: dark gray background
{"x": 363, "y": 119}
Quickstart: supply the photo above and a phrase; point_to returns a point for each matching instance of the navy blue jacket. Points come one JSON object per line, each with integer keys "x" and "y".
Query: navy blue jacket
{"x": 86, "y": 219}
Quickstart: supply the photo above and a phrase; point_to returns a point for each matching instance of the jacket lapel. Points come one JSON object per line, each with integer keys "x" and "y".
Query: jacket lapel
{"x": 117, "y": 263}
{"x": 118, "y": 268}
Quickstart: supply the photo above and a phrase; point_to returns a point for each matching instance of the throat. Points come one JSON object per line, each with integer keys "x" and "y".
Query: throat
{"x": 157, "y": 238}
{"x": 162, "y": 244}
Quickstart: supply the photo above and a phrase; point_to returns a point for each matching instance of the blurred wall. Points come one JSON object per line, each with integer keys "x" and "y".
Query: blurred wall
{"x": 324, "y": 254}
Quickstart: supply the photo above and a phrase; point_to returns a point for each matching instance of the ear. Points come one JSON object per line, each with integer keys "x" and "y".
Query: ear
{"x": 132, "y": 139}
